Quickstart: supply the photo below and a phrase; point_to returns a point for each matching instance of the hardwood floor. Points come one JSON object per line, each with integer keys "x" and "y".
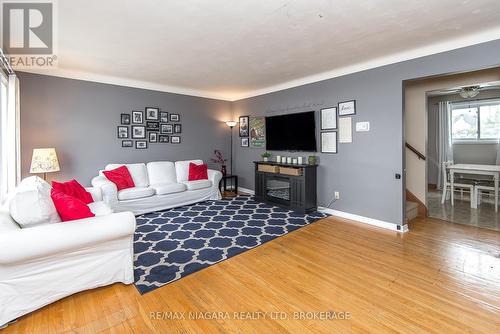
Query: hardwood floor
{"x": 438, "y": 278}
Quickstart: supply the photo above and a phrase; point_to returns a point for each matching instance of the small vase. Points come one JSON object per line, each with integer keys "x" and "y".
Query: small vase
{"x": 223, "y": 170}
{"x": 266, "y": 159}
{"x": 312, "y": 160}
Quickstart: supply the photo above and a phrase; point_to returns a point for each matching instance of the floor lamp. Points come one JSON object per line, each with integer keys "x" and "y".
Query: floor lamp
{"x": 231, "y": 124}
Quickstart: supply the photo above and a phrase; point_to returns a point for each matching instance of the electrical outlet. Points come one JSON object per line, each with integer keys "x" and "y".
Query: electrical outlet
{"x": 337, "y": 195}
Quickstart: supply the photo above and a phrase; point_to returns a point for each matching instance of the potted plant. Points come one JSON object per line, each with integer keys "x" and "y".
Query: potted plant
{"x": 219, "y": 159}
{"x": 265, "y": 156}
{"x": 312, "y": 160}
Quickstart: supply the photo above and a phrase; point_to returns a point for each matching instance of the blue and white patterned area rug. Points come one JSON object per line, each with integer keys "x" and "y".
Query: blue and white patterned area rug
{"x": 169, "y": 245}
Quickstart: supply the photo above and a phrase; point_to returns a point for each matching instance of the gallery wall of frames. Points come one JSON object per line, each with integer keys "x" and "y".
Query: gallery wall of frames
{"x": 140, "y": 129}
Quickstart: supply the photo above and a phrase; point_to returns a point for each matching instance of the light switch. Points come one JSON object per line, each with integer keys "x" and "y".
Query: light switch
{"x": 362, "y": 126}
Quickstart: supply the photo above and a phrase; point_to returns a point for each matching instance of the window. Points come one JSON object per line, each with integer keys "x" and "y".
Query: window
{"x": 479, "y": 121}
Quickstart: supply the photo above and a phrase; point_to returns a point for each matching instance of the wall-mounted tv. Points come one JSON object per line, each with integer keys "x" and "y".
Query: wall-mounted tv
{"x": 291, "y": 132}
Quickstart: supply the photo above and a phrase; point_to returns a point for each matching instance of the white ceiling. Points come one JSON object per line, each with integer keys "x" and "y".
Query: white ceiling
{"x": 232, "y": 49}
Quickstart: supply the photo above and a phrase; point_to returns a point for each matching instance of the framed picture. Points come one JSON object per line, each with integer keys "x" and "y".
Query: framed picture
{"x": 244, "y": 126}
{"x": 164, "y": 117}
{"x": 153, "y": 137}
{"x": 329, "y": 118}
{"x": 123, "y": 132}
{"x": 141, "y": 144}
{"x": 166, "y": 129}
{"x": 152, "y": 114}
{"x": 175, "y": 117}
{"x": 175, "y": 139}
{"x": 125, "y": 119}
{"x": 137, "y": 117}
{"x": 329, "y": 142}
{"x": 138, "y": 132}
{"x": 127, "y": 143}
{"x": 347, "y": 108}
{"x": 177, "y": 128}
{"x": 244, "y": 142}
{"x": 163, "y": 139}
{"x": 257, "y": 132}
{"x": 150, "y": 125}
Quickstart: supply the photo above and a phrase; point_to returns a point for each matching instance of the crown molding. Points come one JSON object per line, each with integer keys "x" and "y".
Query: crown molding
{"x": 452, "y": 44}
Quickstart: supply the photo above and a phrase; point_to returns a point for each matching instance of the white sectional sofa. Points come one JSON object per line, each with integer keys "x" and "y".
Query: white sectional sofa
{"x": 49, "y": 261}
{"x": 159, "y": 186}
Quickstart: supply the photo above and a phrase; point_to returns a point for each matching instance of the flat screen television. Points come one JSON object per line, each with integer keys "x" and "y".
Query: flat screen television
{"x": 291, "y": 132}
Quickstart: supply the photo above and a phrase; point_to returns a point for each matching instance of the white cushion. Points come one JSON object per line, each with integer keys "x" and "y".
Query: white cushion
{"x": 182, "y": 169}
{"x": 138, "y": 172}
{"x": 100, "y": 208}
{"x": 135, "y": 193}
{"x": 7, "y": 223}
{"x": 32, "y": 205}
{"x": 198, "y": 184}
{"x": 168, "y": 188}
{"x": 161, "y": 172}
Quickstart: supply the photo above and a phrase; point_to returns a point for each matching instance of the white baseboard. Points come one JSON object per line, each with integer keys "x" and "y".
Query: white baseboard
{"x": 246, "y": 191}
{"x": 365, "y": 220}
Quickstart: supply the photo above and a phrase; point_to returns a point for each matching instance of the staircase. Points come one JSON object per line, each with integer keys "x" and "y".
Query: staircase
{"x": 411, "y": 210}
{"x": 414, "y": 208}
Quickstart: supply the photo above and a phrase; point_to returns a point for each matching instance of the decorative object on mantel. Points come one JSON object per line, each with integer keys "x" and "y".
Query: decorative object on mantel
{"x": 244, "y": 130}
{"x": 347, "y": 108}
{"x": 278, "y": 158}
{"x": 300, "y": 161}
{"x": 257, "y": 132}
{"x": 289, "y": 160}
{"x": 219, "y": 159}
{"x": 244, "y": 142}
{"x": 329, "y": 118}
{"x": 312, "y": 159}
{"x": 283, "y": 160}
{"x": 44, "y": 160}
{"x": 294, "y": 161}
{"x": 231, "y": 125}
{"x": 265, "y": 156}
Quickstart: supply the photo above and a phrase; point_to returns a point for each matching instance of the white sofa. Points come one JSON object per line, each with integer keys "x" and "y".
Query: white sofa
{"x": 159, "y": 186}
{"x": 44, "y": 263}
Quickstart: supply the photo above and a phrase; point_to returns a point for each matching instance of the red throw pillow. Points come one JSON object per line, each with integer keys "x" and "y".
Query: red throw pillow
{"x": 197, "y": 172}
{"x": 75, "y": 189}
{"x": 69, "y": 207}
{"x": 121, "y": 177}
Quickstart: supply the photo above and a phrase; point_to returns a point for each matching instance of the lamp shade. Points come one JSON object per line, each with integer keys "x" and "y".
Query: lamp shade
{"x": 44, "y": 160}
{"x": 231, "y": 124}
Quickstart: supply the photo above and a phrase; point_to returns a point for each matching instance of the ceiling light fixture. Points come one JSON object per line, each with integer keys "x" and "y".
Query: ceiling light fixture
{"x": 469, "y": 92}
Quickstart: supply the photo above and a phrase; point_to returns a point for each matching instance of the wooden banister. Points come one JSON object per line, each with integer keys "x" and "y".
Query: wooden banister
{"x": 414, "y": 150}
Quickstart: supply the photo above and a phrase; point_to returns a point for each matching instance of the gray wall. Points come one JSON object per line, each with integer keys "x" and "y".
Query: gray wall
{"x": 79, "y": 119}
{"x": 462, "y": 153}
{"x": 363, "y": 171}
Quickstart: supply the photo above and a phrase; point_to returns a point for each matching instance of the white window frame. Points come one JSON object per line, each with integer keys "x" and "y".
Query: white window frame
{"x": 3, "y": 131}
{"x": 474, "y": 104}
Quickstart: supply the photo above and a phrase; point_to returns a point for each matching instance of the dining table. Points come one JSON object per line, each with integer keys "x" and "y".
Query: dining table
{"x": 473, "y": 169}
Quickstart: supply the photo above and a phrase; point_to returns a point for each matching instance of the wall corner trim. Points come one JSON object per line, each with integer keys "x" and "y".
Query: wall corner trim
{"x": 246, "y": 191}
{"x": 365, "y": 220}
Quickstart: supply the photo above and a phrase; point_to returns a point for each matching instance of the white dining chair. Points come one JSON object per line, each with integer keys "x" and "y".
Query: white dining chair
{"x": 483, "y": 186}
{"x": 462, "y": 185}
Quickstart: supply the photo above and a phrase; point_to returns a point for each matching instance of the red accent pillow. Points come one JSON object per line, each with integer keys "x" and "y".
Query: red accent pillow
{"x": 68, "y": 207}
{"x": 75, "y": 189}
{"x": 121, "y": 177}
{"x": 197, "y": 172}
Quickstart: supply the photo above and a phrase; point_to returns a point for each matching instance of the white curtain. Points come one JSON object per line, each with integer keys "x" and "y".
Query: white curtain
{"x": 10, "y": 136}
{"x": 444, "y": 143}
{"x": 498, "y": 153}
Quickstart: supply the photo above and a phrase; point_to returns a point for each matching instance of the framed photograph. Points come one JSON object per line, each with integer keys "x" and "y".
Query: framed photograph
{"x": 150, "y": 125}
{"x": 329, "y": 142}
{"x": 153, "y": 137}
{"x": 347, "y": 108}
{"x": 257, "y": 132}
{"x": 244, "y": 142}
{"x": 137, "y": 117}
{"x": 141, "y": 144}
{"x": 123, "y": 132}
{"x": 244, "y": 131}
{"x": 166, "y": 129}
{"x": 127, "y": 143}
{"x": 177, "y": 128}
{"x": 125, "y": 119}
{"x": 175, "y": 117}
{"x": 152, "y": 114}
{"x": 138, "y": 132}
{"x": 164, "y": 117}
{"x": 163, "y": 139}
{"x": 329, "y": 118}
{"x": 175, "y": 139}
